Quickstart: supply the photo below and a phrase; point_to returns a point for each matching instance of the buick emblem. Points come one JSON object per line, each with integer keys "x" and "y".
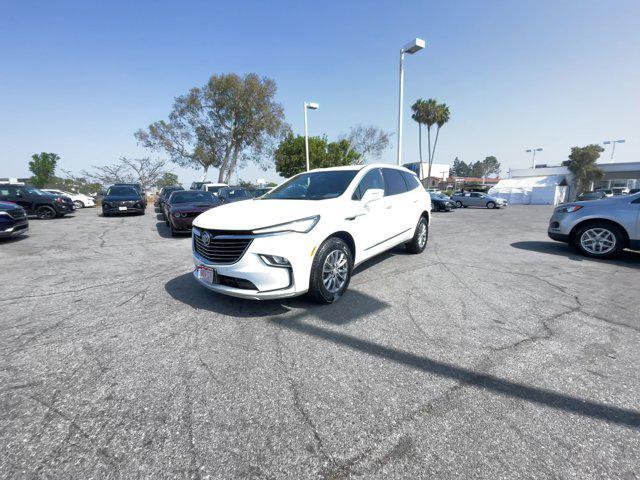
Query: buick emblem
{"x": 206, "y": 238}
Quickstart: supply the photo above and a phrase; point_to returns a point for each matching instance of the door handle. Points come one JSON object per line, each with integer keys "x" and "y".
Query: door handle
{"x": 353, "y": 217}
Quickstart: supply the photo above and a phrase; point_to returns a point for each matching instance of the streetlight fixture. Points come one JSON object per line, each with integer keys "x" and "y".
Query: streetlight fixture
{"x": 533, "y": 159}
{"x": 307, "y": 106}
{"x": 412, "y": 47}
{"x": 613, "y": 148}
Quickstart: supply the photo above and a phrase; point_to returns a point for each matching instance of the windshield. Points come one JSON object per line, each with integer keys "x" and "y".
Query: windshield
{"x": 192, "y": 196}
{"x": 237, "y": 193}
{"x": 313, "y": 186}
{"x": 123, "y": 191}
{"x": 35, "y": 191}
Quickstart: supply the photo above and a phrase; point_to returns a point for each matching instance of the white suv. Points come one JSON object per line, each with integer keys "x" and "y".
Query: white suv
{"x": 79, "y": 200}
{"x": 310, "y": 232}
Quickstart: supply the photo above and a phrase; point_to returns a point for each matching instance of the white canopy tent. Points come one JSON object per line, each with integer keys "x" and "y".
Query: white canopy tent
{"x": 542, "y": 190}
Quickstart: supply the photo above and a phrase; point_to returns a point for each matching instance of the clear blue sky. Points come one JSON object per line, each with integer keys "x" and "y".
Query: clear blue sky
{"x": 78, "y": 78}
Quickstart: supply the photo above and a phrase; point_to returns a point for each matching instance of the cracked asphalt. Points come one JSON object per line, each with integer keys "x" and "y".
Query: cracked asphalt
{"x": 495, "y": 354}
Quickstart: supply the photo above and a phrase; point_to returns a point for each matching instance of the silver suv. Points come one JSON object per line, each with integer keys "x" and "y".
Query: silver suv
{"x": 598, "y": 228}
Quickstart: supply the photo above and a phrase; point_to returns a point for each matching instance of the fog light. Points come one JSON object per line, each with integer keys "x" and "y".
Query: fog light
{"x": 275, "y": 261}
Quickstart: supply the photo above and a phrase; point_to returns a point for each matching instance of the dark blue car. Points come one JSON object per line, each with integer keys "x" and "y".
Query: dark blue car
{"x": 13, "y": 220}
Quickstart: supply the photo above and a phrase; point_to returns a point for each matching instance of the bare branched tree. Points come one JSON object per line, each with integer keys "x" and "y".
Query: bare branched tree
{"x": 369, "y": 142}
{"x": 145, "y": 171}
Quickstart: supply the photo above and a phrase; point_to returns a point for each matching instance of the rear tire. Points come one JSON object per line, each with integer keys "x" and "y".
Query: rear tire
{"x": 330, "y": 271}
{"x": 78, "y": 204}
{"x": 459, "y": 204}
{"x": 420, "y": 237}
{"x": 45, "y": 212}
{"x": 599, "y": 240}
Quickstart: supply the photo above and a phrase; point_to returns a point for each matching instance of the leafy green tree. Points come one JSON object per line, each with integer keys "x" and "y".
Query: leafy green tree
{"x": 167, "y": 179}
{"x": 290, "y": 154}
{"x": 582, "y": 164}
{"x": 227, "y": 122}
{"x": 43, "y": 167}
{"x": 485, "y": 168}
{"x": 460, "y": 168}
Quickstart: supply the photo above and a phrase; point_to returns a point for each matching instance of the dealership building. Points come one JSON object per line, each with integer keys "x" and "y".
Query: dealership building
{"x": 551, "y": 185}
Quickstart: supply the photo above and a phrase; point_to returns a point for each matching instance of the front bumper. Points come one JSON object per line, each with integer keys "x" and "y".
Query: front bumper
{"x": 182, "y": 223}
{"x": 64, "y": 208}
{"x": 16, "y": 228}
{"x": 116, "y": 209}
{"x": 269, "y": 282}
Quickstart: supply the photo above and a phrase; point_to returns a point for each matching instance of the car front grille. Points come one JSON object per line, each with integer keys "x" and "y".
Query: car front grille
{"x": 222, "y": 251}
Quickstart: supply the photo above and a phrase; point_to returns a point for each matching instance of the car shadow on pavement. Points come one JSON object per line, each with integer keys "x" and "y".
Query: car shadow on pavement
{"x": 626, "y": 258}
{"x": 352, "y": 306}
{"x": 165, "y": 232}
{"x": 302, "y": 316}
{"x": 464, "y": 376}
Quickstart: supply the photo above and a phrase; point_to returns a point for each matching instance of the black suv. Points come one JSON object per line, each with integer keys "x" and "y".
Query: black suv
{"x": 122, "y": 199}
{"x": 13, "y": 220}
{"x": 36, "y": 202}
{"x": 137, "y": 186}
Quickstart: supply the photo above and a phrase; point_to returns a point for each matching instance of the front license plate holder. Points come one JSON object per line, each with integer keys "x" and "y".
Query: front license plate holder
{"x": 207, "y": 275}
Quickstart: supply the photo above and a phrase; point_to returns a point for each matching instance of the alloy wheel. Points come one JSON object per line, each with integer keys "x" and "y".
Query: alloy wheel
{"x": 334, "y": 271}
{"x": 422, "y": 235}
{"x": 598, "y": 241}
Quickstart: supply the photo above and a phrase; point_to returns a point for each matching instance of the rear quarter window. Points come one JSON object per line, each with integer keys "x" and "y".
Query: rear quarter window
{"x": 394, "y": 184}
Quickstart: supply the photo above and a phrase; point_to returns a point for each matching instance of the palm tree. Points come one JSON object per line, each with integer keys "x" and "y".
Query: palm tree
{"x": 442, "y": 116}
{"x": 424, "y": 113}
{"x": 418, "y": 116}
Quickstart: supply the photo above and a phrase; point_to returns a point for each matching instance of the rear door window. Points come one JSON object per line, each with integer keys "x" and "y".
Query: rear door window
{"x": 411, "y": 180}
{"x": 394, "y": 184}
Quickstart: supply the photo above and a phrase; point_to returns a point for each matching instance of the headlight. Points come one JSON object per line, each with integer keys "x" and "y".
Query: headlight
{"x": 568, "y": 208}
{"x": 106, "y": 204}
{"x": 303, "y": 225}
{"x": 5, "y": 213}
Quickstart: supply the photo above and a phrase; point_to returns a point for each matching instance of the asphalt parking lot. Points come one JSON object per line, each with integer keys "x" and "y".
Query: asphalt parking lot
{"x": 495, "y": 354}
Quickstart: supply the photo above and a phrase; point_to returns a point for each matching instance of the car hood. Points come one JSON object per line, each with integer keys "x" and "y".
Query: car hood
{"x": 252, "y": 214}
{"x": 9, "y": 206}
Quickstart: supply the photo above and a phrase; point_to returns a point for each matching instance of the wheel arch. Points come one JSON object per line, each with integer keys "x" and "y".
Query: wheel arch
{"x": 426, "y": 215}
{"x": 348, "y": 239}
{"x": 593, "y": 221}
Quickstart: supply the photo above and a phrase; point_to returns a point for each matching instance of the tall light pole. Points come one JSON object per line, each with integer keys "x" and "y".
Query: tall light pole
{"x": 533, "y": 158}
{"x": 312, "y": 106}
{"x": 613, "y": 148}
{"x": 412, "y": 47}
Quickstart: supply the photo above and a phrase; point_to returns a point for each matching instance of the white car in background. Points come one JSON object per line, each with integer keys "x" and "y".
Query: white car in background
{"x": 213, "y": 187}
{"x": 79, "y": 200}
{"x": 309, "y": 233}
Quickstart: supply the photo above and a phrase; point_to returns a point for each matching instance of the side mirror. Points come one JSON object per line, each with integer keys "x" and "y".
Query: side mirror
{"x": 372, "y": 195}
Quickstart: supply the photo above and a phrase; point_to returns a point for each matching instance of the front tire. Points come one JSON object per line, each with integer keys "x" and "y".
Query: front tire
{"x": 599, "y": 240}
{"x": 420, "y": 237}
{"x": 78, "y": 204}
{"x": 46, "y": 213}
{"x": 491, "y": 205}
{"x": 330, "y": 271}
